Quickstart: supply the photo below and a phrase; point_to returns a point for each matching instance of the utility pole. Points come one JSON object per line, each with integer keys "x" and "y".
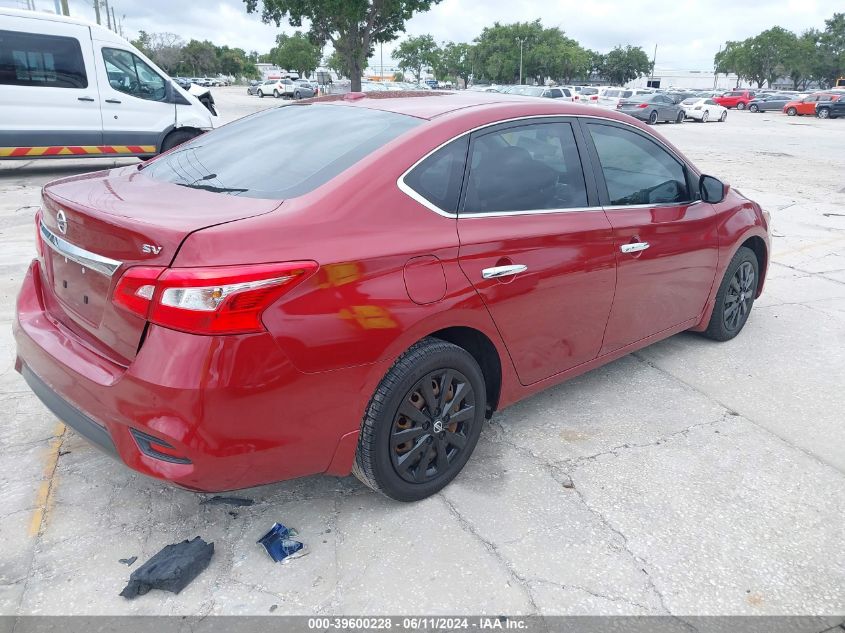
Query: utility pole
{"x": 58, "y": 7}
{"x": 108, "y": 16}
{"x": 113, "y": 19}
{"x": 65, "y": 8}
{"x": 653, "y": 62}
{"x": 97, "y": 10}
{"x": 521, "y": 41}
{"x": 381, "y": 53}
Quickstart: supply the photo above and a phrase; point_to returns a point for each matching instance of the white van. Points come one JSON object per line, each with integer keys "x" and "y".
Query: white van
{"x": 71, "y": 88}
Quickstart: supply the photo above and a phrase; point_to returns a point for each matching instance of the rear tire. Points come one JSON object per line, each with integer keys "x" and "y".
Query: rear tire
{"x": 740, "y": 105}
{"x": 705, "y": 116}
{"x": 177, "y": 137}
{"x": 753, "y": 108}
{"x": 735, "y": 297}
{"x": 652, "y": 118}
{"x": 823, "y": 113}
{"x": 724, "y": 117}
{"x": 297, "y": 95}
{"x": 414, "y": 437}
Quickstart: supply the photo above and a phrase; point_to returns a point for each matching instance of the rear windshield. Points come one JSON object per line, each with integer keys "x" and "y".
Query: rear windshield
{"x": 280, "y": 153}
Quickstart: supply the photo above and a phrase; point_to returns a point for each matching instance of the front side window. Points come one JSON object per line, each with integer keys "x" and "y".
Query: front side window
{"x": 637, "y": 170}
{"x": 31, "y": 59}
{"x": 438, "y": 178}
{"x": 525, "y": 168}
{"x": 129, "y": 74}
{"x": 228, "y": 160}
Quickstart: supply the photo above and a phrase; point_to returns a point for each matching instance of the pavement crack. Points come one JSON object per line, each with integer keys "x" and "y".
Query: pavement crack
{"x": 491, "y": 547}
{"x": 592, "y": 592}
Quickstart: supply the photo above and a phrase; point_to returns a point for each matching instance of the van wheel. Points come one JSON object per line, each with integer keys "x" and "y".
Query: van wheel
{"x": 423, "y": 422}
{"x": 177, "y": 137}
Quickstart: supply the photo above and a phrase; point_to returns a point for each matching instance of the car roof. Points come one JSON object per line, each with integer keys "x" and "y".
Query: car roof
{"x": 430, "y": 104}
{"x": 97, "y": 32}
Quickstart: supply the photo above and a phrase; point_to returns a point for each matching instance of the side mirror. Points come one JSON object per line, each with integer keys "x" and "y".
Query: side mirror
{"x": 712, "y": 189}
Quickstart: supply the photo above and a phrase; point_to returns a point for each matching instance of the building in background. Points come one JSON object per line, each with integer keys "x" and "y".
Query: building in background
{"x": 685, "y": 79}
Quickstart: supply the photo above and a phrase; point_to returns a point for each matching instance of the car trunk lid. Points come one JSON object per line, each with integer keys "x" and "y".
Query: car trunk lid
{"x": 94, "y": 227}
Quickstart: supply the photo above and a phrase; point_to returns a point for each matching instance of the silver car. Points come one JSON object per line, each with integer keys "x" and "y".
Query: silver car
{"x": 652, "y": 108}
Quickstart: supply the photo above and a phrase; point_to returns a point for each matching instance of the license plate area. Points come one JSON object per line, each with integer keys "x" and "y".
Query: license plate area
{"x": 81, "y": 289}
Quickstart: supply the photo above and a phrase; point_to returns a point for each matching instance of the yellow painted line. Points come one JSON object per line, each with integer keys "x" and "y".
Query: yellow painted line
{"x": 808, "y": 247}
{"x": 44, "y": 496}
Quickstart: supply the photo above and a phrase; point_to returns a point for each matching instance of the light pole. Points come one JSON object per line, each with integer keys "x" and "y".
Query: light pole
{"x": 521, "y": 41}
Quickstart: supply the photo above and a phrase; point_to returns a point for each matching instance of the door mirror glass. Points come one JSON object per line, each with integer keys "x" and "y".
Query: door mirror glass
{"x": 712, "y": 189}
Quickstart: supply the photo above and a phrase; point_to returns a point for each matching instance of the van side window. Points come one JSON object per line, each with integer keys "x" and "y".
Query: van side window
{"x": 128, "y": 73}
{"x": 30, "y": 59}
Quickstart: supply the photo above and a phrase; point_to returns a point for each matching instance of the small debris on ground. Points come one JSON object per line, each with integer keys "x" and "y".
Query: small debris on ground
{"x": 128, "y": 561}
{"x": 273, "y": 607}
{"x": 230, "y": 501}
{"x": 280, "y": 545}
{"x": 172, "y": 569}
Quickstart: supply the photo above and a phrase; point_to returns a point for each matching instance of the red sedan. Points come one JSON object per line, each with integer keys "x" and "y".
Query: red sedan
{"x": 231, "y": 314}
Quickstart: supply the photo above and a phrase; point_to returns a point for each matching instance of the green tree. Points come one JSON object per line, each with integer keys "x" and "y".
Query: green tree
{"x": 497, "y": 51}
{"x": 455, "y": 61}
{"x": 733, "y": 58}
{"x": 622, "y": 65}
{"x": 416, "y": 54}
{"x": 802, "y": 59}
{"x": 199, "y": 57}
{"x": 771, "y": 51}
{"x": 831, "y": 63}
{"x": 352, "y": 26}
{"x": 142, "y": 43}
{"x": 296, "y": 52}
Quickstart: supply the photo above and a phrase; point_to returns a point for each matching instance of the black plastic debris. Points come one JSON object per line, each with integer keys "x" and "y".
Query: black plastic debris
{"x": 231, "y": 501}
{"x": 128, "y": 561}
{"x": 279, "y": 544}
{"x": 172, "y": 569}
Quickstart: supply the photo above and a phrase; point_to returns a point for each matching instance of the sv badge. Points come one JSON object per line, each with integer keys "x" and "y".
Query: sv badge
{"x": 150, "y": 249}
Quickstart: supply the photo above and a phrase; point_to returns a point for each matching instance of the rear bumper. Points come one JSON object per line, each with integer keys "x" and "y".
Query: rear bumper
{"x": 232, "y": 410}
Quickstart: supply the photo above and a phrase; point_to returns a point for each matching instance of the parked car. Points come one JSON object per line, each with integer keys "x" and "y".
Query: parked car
{"x": 278, "y": 88}
{"x": 738, "y": 99}
{"x": 252, "y": 88}
{"x": 652, "y": 108}
{"x": 832, "y": 109}
{"x": 224, "y": 335}
{"x": 70, "y": 88}
{"x": 373, "y": 86}
{"x": 765, "y": 103}
{"x": 547, "y": 92}
{"x": 704, "y": 110}
{"x": 587, "y": 95}
{"x": 807, "y": 105}
{"x": 302, "y": 89}
{"x": 611, "y": 97}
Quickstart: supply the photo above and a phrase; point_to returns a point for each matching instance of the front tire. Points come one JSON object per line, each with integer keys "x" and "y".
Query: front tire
{"x": 680, "y": 117}
{"x": 791, "y": 112}
{"x": 275, "y": 94}
{"x": 297, "y": 95}
{"x": 735, "y": 297}
{"x": 176, "y": 137}
{"x": 261, "y": 94}
{"x": 423, "y": 422}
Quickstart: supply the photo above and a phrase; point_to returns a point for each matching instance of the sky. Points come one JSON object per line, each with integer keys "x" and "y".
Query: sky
{"x": 687, "y": 33}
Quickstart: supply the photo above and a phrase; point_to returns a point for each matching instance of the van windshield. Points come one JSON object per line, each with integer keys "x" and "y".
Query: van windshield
{"x": 280, "y": 153}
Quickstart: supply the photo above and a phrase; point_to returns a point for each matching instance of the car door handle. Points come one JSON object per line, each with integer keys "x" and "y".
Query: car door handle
{"x": 86, "y": 99}
{"x": 636, "y": 247}
{"x": 503, "y": 271}
{"x": 112, "y": 100}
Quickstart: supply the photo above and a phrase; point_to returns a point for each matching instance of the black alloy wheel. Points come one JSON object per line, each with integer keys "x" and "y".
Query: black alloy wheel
{"x": 423, "y": 422}
{"x": 431, "y": 427}
{"x": 735, "y": 296}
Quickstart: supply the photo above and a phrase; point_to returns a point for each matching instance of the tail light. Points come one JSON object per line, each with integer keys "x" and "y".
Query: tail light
{"x": 643, "y": 105}
{"x": 214, "y": 300}
{"x": 39, "y": 245}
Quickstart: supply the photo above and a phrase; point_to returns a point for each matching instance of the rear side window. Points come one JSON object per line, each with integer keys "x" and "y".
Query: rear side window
{"x": 301, "y": 148}
{"x": 525, "y": 168}
{"x": 30, "y": 59}
{"x": 438, "y": 178}
{"x": 637, "y": 170}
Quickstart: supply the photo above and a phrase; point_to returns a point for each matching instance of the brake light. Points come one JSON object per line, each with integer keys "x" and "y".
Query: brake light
{"x": 643, "y": 105}
{"x": 213, "y": 300}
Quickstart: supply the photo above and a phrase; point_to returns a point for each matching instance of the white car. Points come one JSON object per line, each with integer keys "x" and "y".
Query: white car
{"x": 72, "y": 88}
{"x": 611, "y": 97}
{"x": 277, "y": 88}
{"x": 703, "y": 110}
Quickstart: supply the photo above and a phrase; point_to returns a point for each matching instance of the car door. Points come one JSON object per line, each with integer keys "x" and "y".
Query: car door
{"x": 135, "y": 103}
{"x": 536, "y": 245}
{"x": 666, "y": 241}
{"x": 48, "y": 92}
{"x": 808, "y": 105}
